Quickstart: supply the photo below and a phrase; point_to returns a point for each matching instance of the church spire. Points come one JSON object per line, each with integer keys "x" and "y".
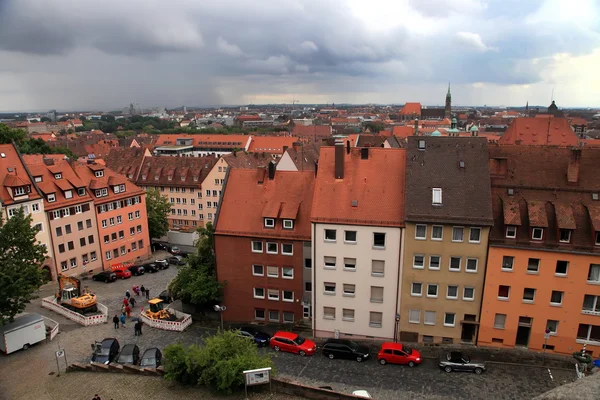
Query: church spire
{"x": 448, "y": 95}
{"x": 448, "y": 108}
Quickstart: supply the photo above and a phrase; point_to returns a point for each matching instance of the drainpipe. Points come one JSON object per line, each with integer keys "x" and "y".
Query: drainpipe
{"x": 398, "y": 316}
{"x": 314, "y": 273}
{"x": 487, "y": 254}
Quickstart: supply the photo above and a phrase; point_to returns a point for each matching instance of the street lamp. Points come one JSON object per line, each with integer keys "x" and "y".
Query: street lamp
{"x": 220, "y": 310}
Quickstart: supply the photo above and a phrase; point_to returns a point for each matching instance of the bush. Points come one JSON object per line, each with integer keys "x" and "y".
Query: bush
{"x": 218, "y": 364}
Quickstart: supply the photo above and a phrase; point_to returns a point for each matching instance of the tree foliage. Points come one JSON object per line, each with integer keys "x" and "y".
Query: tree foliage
{"x": 157, "y": 208}
{"x": 7, "y": 134}
{"x": 218, "y": 364}
{"x": 20, "y": 259}
{"x": 30, "y": 146}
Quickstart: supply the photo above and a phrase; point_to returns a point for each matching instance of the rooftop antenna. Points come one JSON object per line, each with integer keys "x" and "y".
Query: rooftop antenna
{"x": 552, "y": 99}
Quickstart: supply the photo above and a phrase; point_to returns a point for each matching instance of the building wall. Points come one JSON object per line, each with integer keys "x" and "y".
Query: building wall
{"x": 362, "y": 279}
{"x": 286, "y": 163}
{"x": 235, "y": 260}
{"x": 568, "y": 314}
{"x": 445, "y": 249}
{"x": 212, "y": 187}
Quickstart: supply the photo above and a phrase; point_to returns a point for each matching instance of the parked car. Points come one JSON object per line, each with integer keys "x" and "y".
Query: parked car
{"x": 292, "y": 343}
{"x": 130, "y": 354}
{"x": 160, "y": 246}
{"x": 150, "y": 267}
{"x": 347, "y": 349}
{"x": 362, "y": 393}
{"x": 105, "y": 276}
{"x": 176, "y": 260}
{"x": 162, "y": 264}
{"x": 122, "y": 273}
{"x": 136, "y": 270}
{"x": 174, "y": 250}
{"x": 165, "y": 296}
{"x": 106, "y": 351}
{"x": 260, "y": 338}
{"x": 457, "y": 361}
{"x": 396, "y": 353}
{"x": 152, "y": 358}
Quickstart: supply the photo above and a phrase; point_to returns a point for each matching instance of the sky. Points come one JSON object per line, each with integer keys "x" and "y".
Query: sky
{"x": 105, "y": 54}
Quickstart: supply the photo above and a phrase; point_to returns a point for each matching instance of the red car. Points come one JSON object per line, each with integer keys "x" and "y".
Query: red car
{"x": 122, "y": 273}
{"x": 396, "y": 353}
{"x": 292, "y": 343}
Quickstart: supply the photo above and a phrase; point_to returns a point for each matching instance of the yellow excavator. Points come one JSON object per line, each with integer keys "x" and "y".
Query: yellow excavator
{"x": 157, "y": 310}
{"x": 71, "y": 296}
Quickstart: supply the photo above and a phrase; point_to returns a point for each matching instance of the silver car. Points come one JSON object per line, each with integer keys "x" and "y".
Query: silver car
{"x": 457, "y": 361}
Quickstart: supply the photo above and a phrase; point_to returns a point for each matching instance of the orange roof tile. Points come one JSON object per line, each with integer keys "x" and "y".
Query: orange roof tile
{"x": 537, "y": 214}
{"x": 86, "y": 173}
{"x": 271, "y": 144}
{"x": 11, "y": 165}
{"x": 403, "y": 131}
{"x": 512, "y": 213}
{"x": 594, "y": 212}
{"x": 411, "y": 108}
{"x": 564, "y": 216}
{"x": 540, "y": 131}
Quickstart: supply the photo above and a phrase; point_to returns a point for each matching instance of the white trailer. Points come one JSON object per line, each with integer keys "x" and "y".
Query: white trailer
{"x": 23, "y": 332}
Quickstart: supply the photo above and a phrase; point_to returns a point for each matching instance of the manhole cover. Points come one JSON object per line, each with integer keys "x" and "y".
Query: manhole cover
{"x": 51, "y": 373}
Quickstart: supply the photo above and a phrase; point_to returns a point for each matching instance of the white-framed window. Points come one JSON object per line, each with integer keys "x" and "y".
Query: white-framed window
{"x": 499, "y": 321}
{"x": 328, "y": 312}
{"x": 108, "y": 255}
{"x": 375, "y": 319}
{"x": 378, "y": 240}
{"x": 257, "y": 246}
{"x": 377, "y": 267}
{"x": 349, "y": 290}
{"x": 269, "y": 222}
{"x": 273, "y": 294}
{"x": 552, "y": 326}
{"x": 64, "y": 266}
{"x": 436, "y": 196}
{"x": 434, "y": 262}
{"x": 347, "y": 314}
{"x": 58, "y": 176}
{"x": 130, "y": 216}
{"x": 35, "y": 207}
{"x": 258, "y": 270}
{"x": 81, "y": 191}
{"x": 93, "y": 256}
{"x": 137, "y": 214}
{"x": 452, "y": 292}
{"x": 471, "y": 265}
{"x": 437, "y": 232}
{"x": 429, "y": 318}
{"x": 589, "y": 333}
{"x": 66, "y": 212}
{"x": 104, "y": 192}
{"x": 51, "y": 198}
{"x": 474, "y": 235}
{"x": 349, "y": 236}
{"x": 420, "y": 232}
{"x": 449, "y": 319}
{"x": 259, "y": 293}
{"x": 99, "y": 173}
{"x": 111, "y": 221}
{"x": 288, "y": 224}
{"x": 330, "y": 235}
{"x": 537, "y": 233}
{"x": 556, "y": 298}
{"x": 528, "y": 295}
{"x": 287, "y": 295}
{"x": 594, "y": 274}
{"x": 287, "y": 249}
{"x": 272, "y": 272}
{"x": 507, "y": 263}
{"x": 38, "y": 179}
{"x": 287, "y": 272}
{"x": 68, "y": 194}
{"x": 329, "y": 262}
{"x": 418, "y": 261}
{"x": 56, "y": 214}
{"x": 591, "y": 305}
{"x": 416, "y": 289}
{"x": 376, "y": 294}
{"x": 454, "y": 264}
{"x": 273, "y": 316}
{"x": 39, "y": 227}
{"x": 78, "y": 209}
{"x": 414, "y": 316}
{"x": 468, "y": 293}
{"x": 329, "y": 288}
{"x": 458, "y": 234}
{"x": 259, "y": 314}
{"x": 565, "y": 236}
{"x": 272, "y": 248}
{"x": 349, "y": 264}
{"x": 432, "y": 290}
{"x": 533, "y": 265}
{"x": 503, "y": 292}
{"x": 562, "y": 267}
{"x": 119, "y": 219}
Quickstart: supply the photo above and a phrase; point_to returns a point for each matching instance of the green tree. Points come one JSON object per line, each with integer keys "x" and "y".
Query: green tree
{"x": 219, "y": 364}
{"x": 20, "y": 259}
{"x": 45, "y": 119}
{"x": 157, "y": 208}
{"x": 7, "y": 134}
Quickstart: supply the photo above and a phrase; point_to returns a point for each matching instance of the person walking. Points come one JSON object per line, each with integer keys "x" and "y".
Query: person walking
{"x": 147, "y": 294}
{"x": 139, "y": 327}
{"x": 123, "y": 309}
{"x": 143, "y": 290}
{"x": 123, "y": 320}
{"x": 132, "y": 302}
{"x": 128, "y": 311}
{"x": 125, "y": 301}
{"x": 135, "y": 329}
{"x": 116, "y": 322}
{"x": 127, "y": 294}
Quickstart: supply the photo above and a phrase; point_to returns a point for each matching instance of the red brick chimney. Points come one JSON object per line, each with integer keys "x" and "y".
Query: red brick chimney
{"x": 296, "y": 146}
{"x": 339, "y": 160}
{"x": 574, "y": 163}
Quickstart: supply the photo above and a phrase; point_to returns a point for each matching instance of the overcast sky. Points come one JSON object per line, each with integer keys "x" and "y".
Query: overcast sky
{"x": 92, "y": 54}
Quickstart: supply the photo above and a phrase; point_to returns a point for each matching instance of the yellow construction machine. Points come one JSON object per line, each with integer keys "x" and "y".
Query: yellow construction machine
{"x": 72, "y": 297}
{"x": 157, "y": 310}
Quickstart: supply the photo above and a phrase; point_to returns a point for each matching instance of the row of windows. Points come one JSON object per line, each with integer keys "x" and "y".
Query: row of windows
{"x": 458, "y": 233}
{"x": 351, "y": 237}
{"x": 430, "y": 318}
{"x": 68, "y": 211}
{"x": 538, "y": 234}
{"x": 119, "y": 219}
{"x": 121, "y": 234}
{"x": 85, "y": 258}
{"x": 71, "y": 245}
{"x": 67, "y": 227}
{"x": 349, "y": 290}
{"x": 185, "y": 221}
{"x": 179, "y": 211}
{"x": 273, "y": 271}
{"x": 35, "y": 207}
{"x": 375, "y": 317}
{"x": 377, "y": 266}
{"x": 115, "y": 205}
{"x": 270, "y": 222}
{"x": 273, "y": 294}
{"x": 214, "y": 193}
{"x": 529, "y": 294}
{"x": 454, "y": 263}
{"x": 287, "y": 249}
{"x": 123, "y": 250}
{"x": 51, "y": 197}
{"x": 451, "y": 291}
{"x": 561, "y": 268}
{"x": 260, "y": 314}
{"x": 181, "y": 200}
{"x": 104, "y": 191}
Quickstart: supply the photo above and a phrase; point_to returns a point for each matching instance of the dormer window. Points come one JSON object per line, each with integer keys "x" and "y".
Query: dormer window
{"x": 537, "y": 233}
{"x": 269, "y": 223}
{"x": 58, "y": 176}
{"x": 436, "y": 196}
{"x": 68, "y": 194}
{"x": 37, "y": 179}
{"x": 99, "y": 173}
{"x": 597, "y": 242}
{"x": 122, "y": 188}
{"x": 19, "y": 191}
{"x": 288, "y": 224}
{"x": 116, "y": 189}
{"x": 565, "y": 236}
{"x": 511, "y": 232}
{"x": 144, "y": 176}
{"x": 170, "y": 177}
{"x": 81, "y": 191}
{"x": 51, "y": 198}
{"x": 183, "y": 177}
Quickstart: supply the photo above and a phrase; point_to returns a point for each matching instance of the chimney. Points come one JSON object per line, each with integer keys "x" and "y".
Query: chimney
{"x": 271, "y": 170}
{"x": 285, "y": 148}
{"x": 296, "y": 146}
{"x": 339, "y": 160}
{"x": 347, "y": 147}
{"x": 574, "y": 163}
{"x": 416, "y": 126}
{"x": 364, "y": 153}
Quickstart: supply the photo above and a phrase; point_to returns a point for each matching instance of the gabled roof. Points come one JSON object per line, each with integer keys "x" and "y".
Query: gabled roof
{"x": 271, "y": 144}
{"x": 379, "y": 196}
{"x": 540, "y": 132}
{"x": 247, "y": 160}
{"x": 403, "y": 131}
{"x": 196, "y": 169}
{"x": 87, "y": 175}
{"x": 12, "y": 172}
{"x": 305, "y": 156}
{"x": 126, "y": 161}
{"x": 312, "y": 131}
{"x": 411, "y": 108}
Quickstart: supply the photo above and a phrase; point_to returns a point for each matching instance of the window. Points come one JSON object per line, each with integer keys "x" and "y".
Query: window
{"x": 259, "y": 314}
{"x": 258, "y": 270}
{"x": 458, "y": 234}
{"x": 377, "y": 268}
{"x": 119, "y": 219}
{"x": 66, "y": 212}
{"x": 61, "y": 248}
{"x": 288, "y": 224}
{"x": 454, "y": 264}
{"x": 499, "y": 321}
{"x": 350, "y": 236}
{"x": 64, "y": 266}
{"x": 565, "y": 236}
{"x": 329, "y": 287}
{"x": 594, "y": 273}
{"x": 452, "y": 292}
{"x": 287, "y": 272}
{"x": 419, "y": 261}
{"x": 132, "y": 231}
{"x": 56, "y": 214}
{"x": 350, "y": 264}
{"x": 51, "y": 198}
{"x": 123, "y": 250}
{"x": 347, "y": 314}
{"x": 35, "y": 207}
{"x": 429, "y": 318}
{"x": 272, "y": 272}
{"x": 121, "y": 235}
{"x": 106, "y": 239}
{"x": 329, "y": 262}
{"x": 108, "y": 255}
{"x": 91, "y": 239}
{"x": 288, "y": 317}
{"x": 137, "y": 214}
{"x": 537, "y": 233}
{"x": 349, "y": 290}
{"x": 214, "y": 193}
{"x": 556, "y": 298}
{"x": 259, "y": 293}
{"x": 507, "y": 263}
{"x": 434, "y": 262}
{"x": 330, "y": 235}
{"x": 375, "y": 319}
{"x": 80, "y": 225}
{"x": 269, "y": 222}
{"x": 68, "y": 194}
{"x": 561, "y": 268}
{"x": 328, "y": 312}
{"x": 99, "y": 174}
{"x": 130, "y": 216}
{"x": 113, "y": 236}
{"x": 271, "y": 248}
{"x": 432, "y": 290}
{"x": 588, "y": 332}
{"x": 111, "y": 221}
{"x": 139, "y": 229}
{"x": 436, "y": 196}
{"x": 39, "y": 227}
{"x": 449, "y": 319}
{"x": 503, "y": 292}
{"x": 591, "y": 305}
{"x": 414, "y": 316}
{"x": 287, "y": 295}
{"x": 274, "y": 316}
{"x": 437, "y": 232}
{"x": 58, "y": 231}
{"x": 475, "y": 235}
{"x": 379, "y": 240}
{"x": 273, "y": 294}
{"x": 528, "y": 295}
{"x": 257, "y": 247}
{"x": 416, "y": 289}
{"x": 308, "y": 286}
{"x": 81, "y": 191}
{"x": 287, "y": 249}
{"x": 552, "y": 326}
{"x": 71, "y": 245}
{"x": 376, "y": 294}
{"x": 82, "y": 242}
{"x": 471, "y": 265}
{"x": 421, "y": 232}
{"x": 533, "y": 266}
{"x": 468, "y": 294}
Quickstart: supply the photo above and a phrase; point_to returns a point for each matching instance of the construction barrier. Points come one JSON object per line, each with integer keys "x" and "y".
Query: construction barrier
{"x": 86, "y": 320}
{"x": 50, "y": 322}
{"x": 183, "y": 321}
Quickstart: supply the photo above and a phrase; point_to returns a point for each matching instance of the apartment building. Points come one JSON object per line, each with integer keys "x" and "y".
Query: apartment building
{"x": 70, "y": 212}
{"x": 121, "y": 217}
{"x": 262, "y": 245}
{"x": 18, "y": 191}
{"x": 542, "y": 285}
{"x": 448, "y": 219}
{"x": 201, "y": 145}
{"x": 357, "y": 232}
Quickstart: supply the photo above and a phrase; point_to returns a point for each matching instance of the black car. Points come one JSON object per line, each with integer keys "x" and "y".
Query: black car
{"x": 162, "y": 264}
{"x": 457, "y": 361}
{"x": 341, "y": 348}
{"x": 176, "y": 260}
{"x": 160, "y": 246}
{"x": 165, "y": 296}
{"x": 260, "y": 338}
{"x": 105, "y": 276}
{"x": 130, "y": 354}
{"x": 152, "y": 358}
{"x": 136, "y": 270}
{"x": 150, "y": 267}
{"x": 106, "y": 351}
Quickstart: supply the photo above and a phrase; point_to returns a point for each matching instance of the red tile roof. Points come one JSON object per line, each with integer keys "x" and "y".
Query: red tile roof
{"x": 201, "y": 140}
{"x": 376, "y": 185}
{"x": 155, "y": 171}
{"x": 247, "y": 160}
{"x": 411, "y": 108}
{"x": 86, "y": 173}
{"x": 12, "y": 171}
{"x": 403, "y": 131}
{"x": 540, "y": 131}
{"x": 271, "y": 144}
{"x": 312, "y": 131}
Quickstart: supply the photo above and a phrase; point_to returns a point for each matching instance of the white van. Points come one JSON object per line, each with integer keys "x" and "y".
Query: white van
{"x": 23, "y": 332}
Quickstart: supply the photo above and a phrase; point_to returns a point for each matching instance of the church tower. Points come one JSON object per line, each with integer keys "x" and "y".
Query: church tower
{"x": 448, "y": 108}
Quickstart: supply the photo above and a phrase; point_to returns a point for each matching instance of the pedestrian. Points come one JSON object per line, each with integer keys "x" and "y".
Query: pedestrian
{"x": 127, "y": 294}
{"x": 136, "y": 289}
{"x": 139, "y": 324}
{"x": 123, "y": 320}
{"x": 123, "y": 309}
{"x": 135, "y": 329}
{"x": 132, "y": 302}
{"x": 128, "y": 311}
{"x": 147, "y": 294}
{"x": 116, "y": 322}
{"x": 143, "y": 290}
{"x": 125, "y": 301}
